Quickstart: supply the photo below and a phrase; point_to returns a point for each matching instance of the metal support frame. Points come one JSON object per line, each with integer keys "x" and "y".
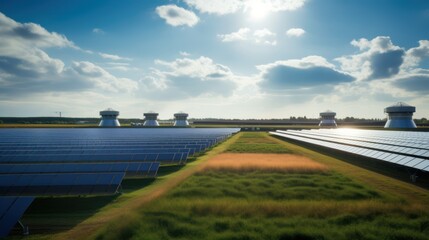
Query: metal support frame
{"x": 25, "y": 229}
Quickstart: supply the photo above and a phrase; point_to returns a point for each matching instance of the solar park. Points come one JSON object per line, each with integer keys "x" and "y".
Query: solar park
{"x": 252, "y": 185}
{"x": 87, "y": 161}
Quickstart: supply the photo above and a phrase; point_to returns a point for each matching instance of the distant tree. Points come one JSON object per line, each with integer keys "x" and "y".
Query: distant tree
{"x": 1, "y": 121}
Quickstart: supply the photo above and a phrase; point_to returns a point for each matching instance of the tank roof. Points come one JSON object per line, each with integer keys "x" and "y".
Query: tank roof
{"x": 181, "y": 114}
{"x": 400, "y": 107}
{"x": 109, "y": 111}
{"x": 328, "y": 113}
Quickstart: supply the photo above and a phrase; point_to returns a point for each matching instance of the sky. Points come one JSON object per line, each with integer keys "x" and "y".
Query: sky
{"x": 244, "y": 59}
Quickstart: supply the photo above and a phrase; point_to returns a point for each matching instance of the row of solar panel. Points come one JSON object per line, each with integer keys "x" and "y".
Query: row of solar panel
{"x": 59, "y": 184}
{"x": 94, "y": 151}
{"x": 147, "y": 169}
{"x": 403, "y": 137}
{"x": 35, "y": 162}
{"x": 179, "y": 158}
{"x": 417, "y": 152}
{"x": 411, "y": 141}
{"x": 397, "y": 158}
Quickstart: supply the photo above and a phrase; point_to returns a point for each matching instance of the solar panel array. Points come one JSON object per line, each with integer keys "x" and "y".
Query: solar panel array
{"x": 410, "y": 149}
{"x": 87, "y": 161}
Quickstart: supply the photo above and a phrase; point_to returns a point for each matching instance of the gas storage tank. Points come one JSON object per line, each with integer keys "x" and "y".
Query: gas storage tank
{"x": 400, "y": 115}
{"x": 109, "y": 118}
{"x": 151, "y": 119}
{"x": 181, "y": 119}
{"x": 327, "y": 119}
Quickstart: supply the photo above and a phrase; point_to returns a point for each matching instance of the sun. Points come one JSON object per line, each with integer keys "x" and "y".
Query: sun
{"x": 257, "y": 9}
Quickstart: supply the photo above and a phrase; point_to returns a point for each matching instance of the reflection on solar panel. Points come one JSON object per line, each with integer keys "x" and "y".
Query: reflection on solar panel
{"x": 37, "y": 162}
{"x": 410, "y": 149}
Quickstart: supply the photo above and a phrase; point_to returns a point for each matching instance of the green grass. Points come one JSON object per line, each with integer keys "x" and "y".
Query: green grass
{"x": 260, "y": 205}
{"x": 272, "y": 186}
{"x": 256, "y": 142}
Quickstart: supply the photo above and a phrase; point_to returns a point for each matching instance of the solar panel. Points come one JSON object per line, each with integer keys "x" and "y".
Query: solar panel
{"x": 381, "y": 145}
{"x": 37, "y": 162}
{"x": 11, "y": 210}
{"x": 62, "y": 184}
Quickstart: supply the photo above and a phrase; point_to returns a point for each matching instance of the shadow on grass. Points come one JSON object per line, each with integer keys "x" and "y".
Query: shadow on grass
{"x": 399, "y": 172}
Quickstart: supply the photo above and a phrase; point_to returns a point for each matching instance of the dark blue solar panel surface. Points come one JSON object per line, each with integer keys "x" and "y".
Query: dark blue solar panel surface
{"x": 35, "y": 162}
{"x": 408, "y": 149}
{"x": 11, "y": 210}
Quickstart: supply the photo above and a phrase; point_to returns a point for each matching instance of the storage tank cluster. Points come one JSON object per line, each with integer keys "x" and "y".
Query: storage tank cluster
{"x": 109, "y": 118}
{"x": 399, "y": 115}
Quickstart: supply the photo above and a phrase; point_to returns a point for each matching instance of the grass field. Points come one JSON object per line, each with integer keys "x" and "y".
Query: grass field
{"x": 291, "y": 193}
{"x": 235, "y": 203}
{"x": 256, "y": 142}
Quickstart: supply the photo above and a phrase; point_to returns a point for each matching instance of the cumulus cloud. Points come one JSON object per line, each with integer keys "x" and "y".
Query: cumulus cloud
{"x": 177, "y": 16}
{"x": 186, "y": 77}
{"x": 103, "y": 79}
{"x": 221, "y": 7}
{"x": 113, "y": 57}
{"x": 241, "y": 35}
{"x": 263, "y": 36}
{"x": 378, "y": 58}
{"x": 25, "y": 68}
{"x": 415, "y": 55}
{"x": 295, "y": 32}
{"x": 305, "y": 73}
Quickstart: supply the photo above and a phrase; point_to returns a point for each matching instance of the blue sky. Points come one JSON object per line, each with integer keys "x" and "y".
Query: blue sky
{"x": 219, "y": 58}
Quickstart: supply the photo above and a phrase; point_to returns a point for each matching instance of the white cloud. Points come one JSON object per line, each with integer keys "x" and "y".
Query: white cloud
{"x": 265, "y": 36}
{"x": 177, "y": 16}
{"x": 241, "y": 35}
{"x": 219, "y": 7}
{"x": 103, "y": 79}
{"x": 222, "y": 7}
{"x": 295, "y": 32}
{"x": 98, "y": 31}
{"x": 184, "y": 54}
{"x": 26, "y": 69}
{"x": 113, "y": 57}
{"x": 415, "y": 55}
{"x": 189, "y": 78}
{"x": 378, "y": 58}
{"x": 261, "y": 36}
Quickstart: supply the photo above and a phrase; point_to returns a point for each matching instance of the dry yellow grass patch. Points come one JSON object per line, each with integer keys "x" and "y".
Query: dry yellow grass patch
{"x": 265, "y": 162}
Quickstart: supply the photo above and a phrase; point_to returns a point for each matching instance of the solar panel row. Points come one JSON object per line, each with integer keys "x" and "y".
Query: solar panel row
{"x": 35, "y": 162}
{"x": 376, "y": 150}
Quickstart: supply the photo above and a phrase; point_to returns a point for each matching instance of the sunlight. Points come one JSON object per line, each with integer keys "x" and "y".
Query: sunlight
{"x": 257, "y": 9}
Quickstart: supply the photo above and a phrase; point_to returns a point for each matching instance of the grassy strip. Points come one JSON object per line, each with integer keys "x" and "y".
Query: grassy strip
{"x": 256, "y": 142}
{"x": 249, "y": 162}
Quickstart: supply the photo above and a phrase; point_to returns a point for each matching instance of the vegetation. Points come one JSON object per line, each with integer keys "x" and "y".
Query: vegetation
{"x": 256, "y": 142}
{"x": 235, "y": 203}
{"x": 216, "y": 197}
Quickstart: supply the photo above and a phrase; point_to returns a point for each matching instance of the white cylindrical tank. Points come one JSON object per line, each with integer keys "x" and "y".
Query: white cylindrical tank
{"x": 109, "y": 118}
{"x": 150, "y": 119}
{"x": 400, "y": 115}
{"x": 181, "y": 119}
{"x": 327, "y": 119}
